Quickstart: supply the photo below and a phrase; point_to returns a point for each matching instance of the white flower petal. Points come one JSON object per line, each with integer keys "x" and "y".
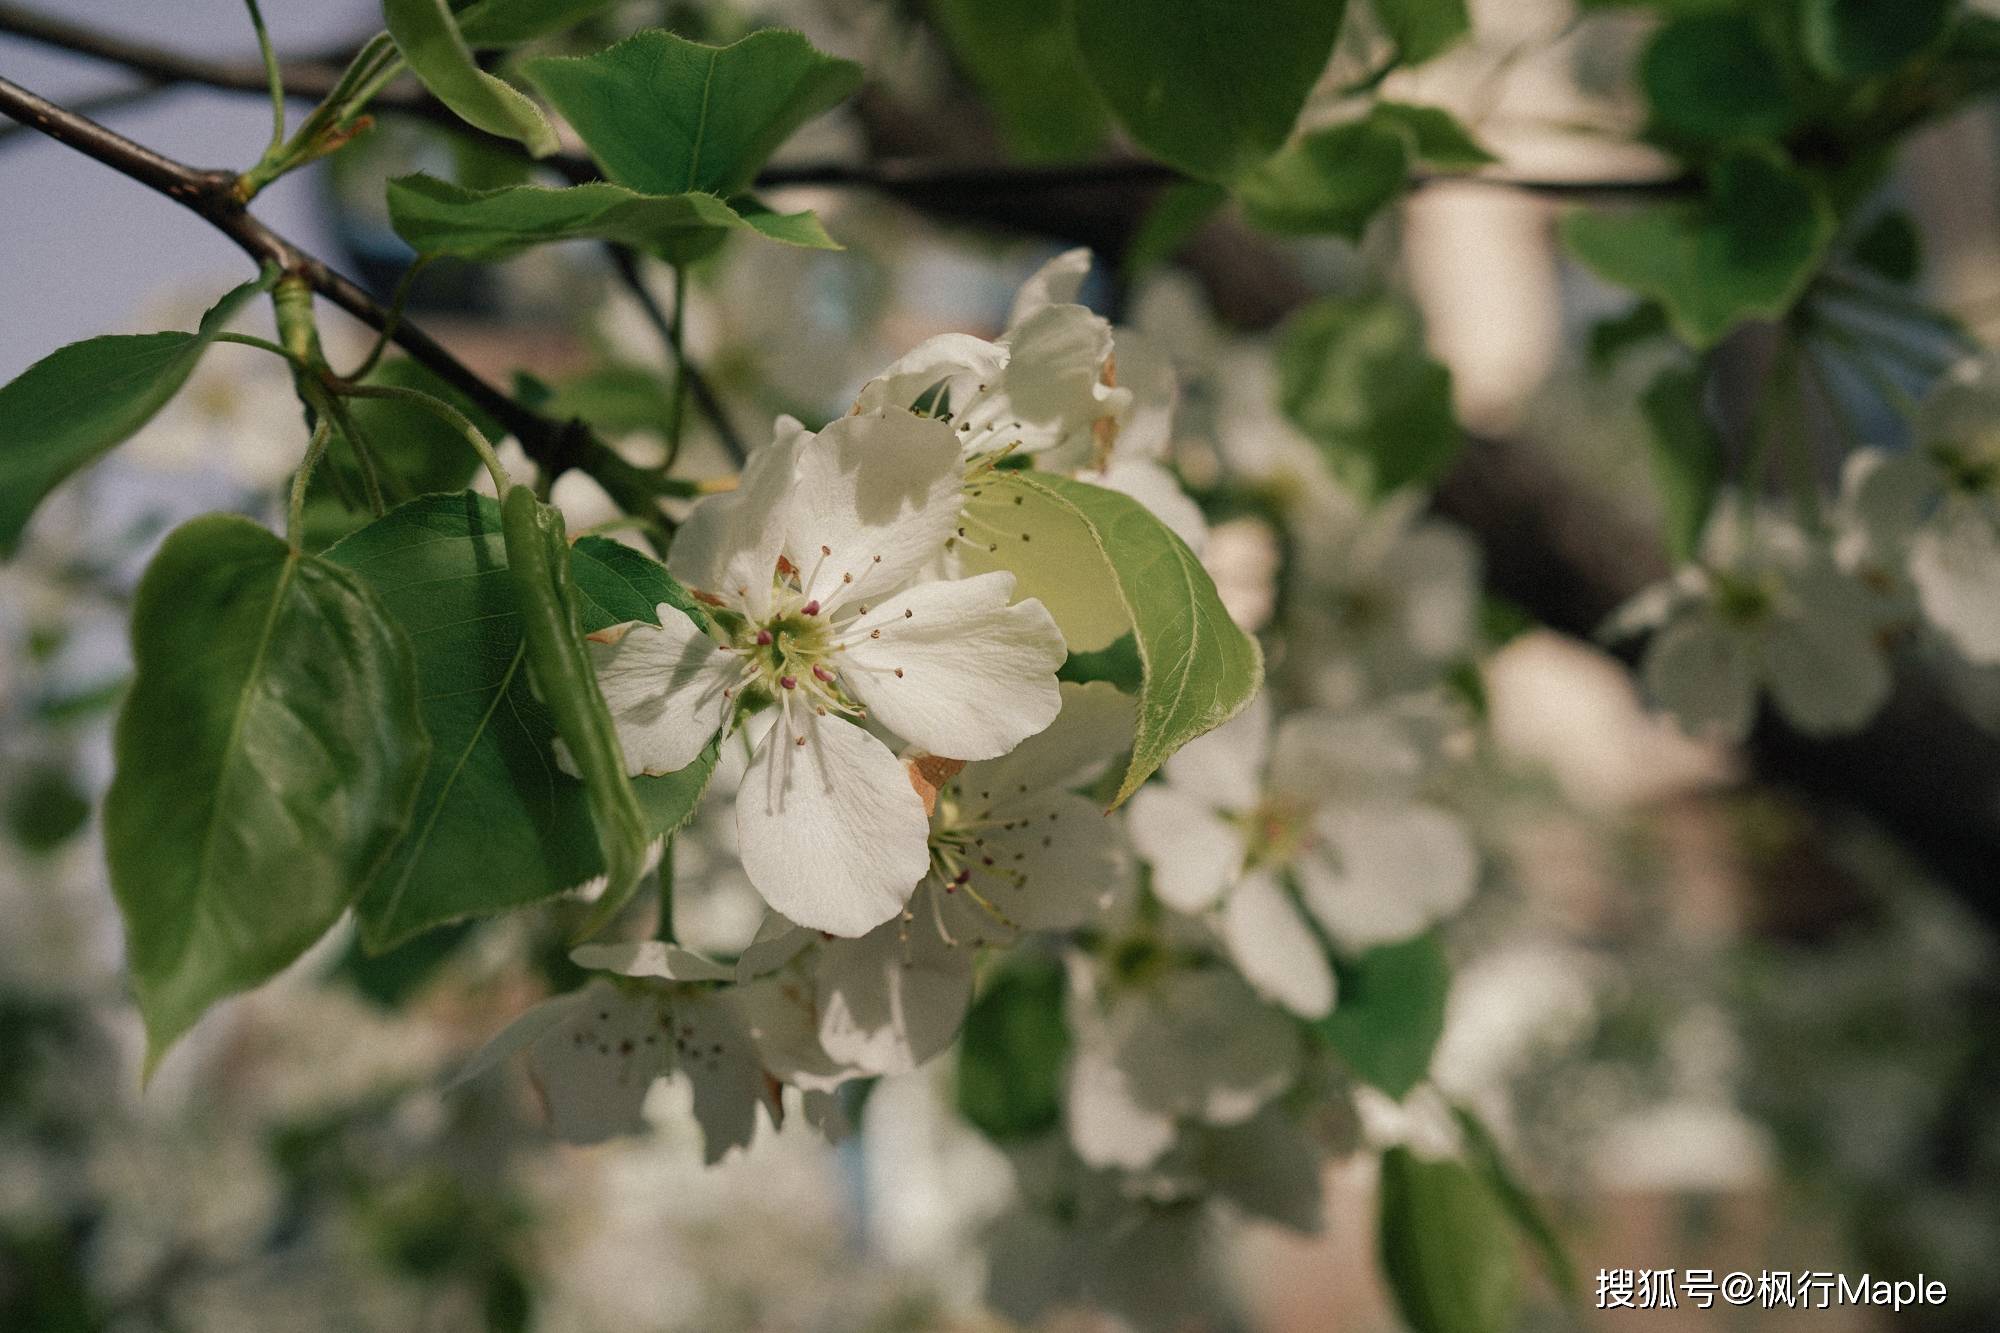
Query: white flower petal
{"x": 893, "y": 998}
{"x": 1320, "y": 754}
{"x": 953, "y": 668}
{"x": 1107, "y": 1126}
{"x": 877, "y": 496}
{"x": 1826, "y": 672}
{"x": 1148, "y": 426}
{"x": 1225, "y": 768}
{"x": 831, "y": 832}
{"x": 779, "y": 1013}
{"x": 1094, "y": 727}
{"x": 650, "y": 958}
{"x": 1195, "y": 853}
{"x": 1204, "y": 1047}
{"x": 1388, "y": 871}
{"x": 1051, "y": 860}
{"x": 1276, "y": 952}
{"x": 1955, "y": 563}
{"x": 963, "y": 363}
{"x": 518, "y": 1035}
{"x": 664, "y": 686}
{"x": 713, "y": 1047}
{"x": 1053, "y": 389}
{"x": 593, "y": 1069}
{"x": 730, "y": 544}
{"x": 1703, "y": 673}
{"x": 1054, "y": 283}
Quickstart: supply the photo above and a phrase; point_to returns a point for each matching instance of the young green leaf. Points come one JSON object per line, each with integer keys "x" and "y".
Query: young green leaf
{"x": 1333, "y": 180}
{"x": 1712, "y": 78}
{"x": 666, "y": 116}
{"x": 437, "y": 217}
{"x": 1688, "y": 454}
{"x": 268, "y": 754}
{"x": 1890, "y": 248}
{"x": 429, "y": 39}
{"x": 1025, "y": 61}
{"x": 1422, "y": 29}
{"x": 1213, "y": 89}
{"x": 545, "y": 595}
{"x": 496, "y": 825}
{"x": 1013, "y": 1052}
{"x": 1857, "y": 39}
{"x": 1354, "y": 375}
{"x": 1105, "y": 567}
{"x": 79, "y": 402}
{"x": 1435, "y": 136}
{"x": 1487, "y": 1159}
{"x": 1391, "y": 1013}
{"x": 1745, "y": 252}
{"x": 1446, "y": 1249}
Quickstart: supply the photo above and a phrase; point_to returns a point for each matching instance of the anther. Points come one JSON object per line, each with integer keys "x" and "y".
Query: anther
{"x": 810, "y": 608}
{"x": 825, "y": 549}
{"x": 763, "y": 638}
{"x": 899, "y": 673}
{"x": 789, "y": 682}
{"x": 822, "y": 673}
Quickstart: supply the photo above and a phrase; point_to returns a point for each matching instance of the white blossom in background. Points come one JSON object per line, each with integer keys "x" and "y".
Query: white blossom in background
{"x": 1932, "y": 516}
{"x": 1767, "y": 610}
{"x": 813, "y": 570}
{"x": 1331, "y": 807}
{"x": 1185, "y": 1047}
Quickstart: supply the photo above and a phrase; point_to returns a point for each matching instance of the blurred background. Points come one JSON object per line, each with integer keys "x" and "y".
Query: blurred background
{"x": 1728, "y": 1009}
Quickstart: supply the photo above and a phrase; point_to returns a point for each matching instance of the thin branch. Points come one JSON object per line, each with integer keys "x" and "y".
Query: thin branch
{"x": 901, "y": 179}
{"x": 627, "y": 265}
{"x": 555, "y": 446}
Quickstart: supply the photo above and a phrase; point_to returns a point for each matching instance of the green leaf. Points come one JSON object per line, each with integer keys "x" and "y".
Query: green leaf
{"x": 512, "y": 22}
{"x": 1687, "y": 453}
{"x": 45, "y": 809}
{"x": 1435, "y": 136}
{"x": 421, "y": 452}
{"x": 1527, "y": 1214}
{"x": 267, "y": 757}
{"x": 1014, "y": 1052}
{"x": 1712, "y": 78}
{"x": 437, "y": 217}
{"x": 1612, "y": 337}
{"x": 617, "y": 399}
{"x": 1209, "y": 86}
{"x": 1423, "y": 29}
{"x": 1333, "y": 180}
{"x": 666, "y": 116}
{"x": 497, "y": 825}
{"x": 1890, "y": 248}
{"x": 1105, "y": 567}
{"x": 1390, "y": 1013}
{"x": 1747, "y": 251}
{"x": 1025, "y": 62}
{"x": 1857, "y": 39}
{"x": 1446, "y": 1249}
{"x": 429, "y": 39}
{"x": 540, "y": 571}
{"x": 81, "y": 401}
{"x": 1354, "y": 375}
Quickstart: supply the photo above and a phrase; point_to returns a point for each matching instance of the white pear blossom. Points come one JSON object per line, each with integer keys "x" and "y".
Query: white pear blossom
{"x": 594, "y": 1053}
{"x": 1767, "y": 610}
{"x": 1013, "y": 848}
{"x": 1182, "y": 1047}
{"x": 1931, "y": 517}
{"x": 1328, "y": 808}
{"x": 811, "y": 569}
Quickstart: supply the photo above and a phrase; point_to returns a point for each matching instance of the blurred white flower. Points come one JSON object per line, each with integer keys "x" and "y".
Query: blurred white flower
{"x": 1329, "y": 808}
{"x": 1767, "y": 610}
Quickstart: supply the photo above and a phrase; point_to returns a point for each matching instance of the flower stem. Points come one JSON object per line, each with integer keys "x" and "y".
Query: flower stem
{"x": 451, "y": 415}
{"x": 295, "y": 511}
{"x": 664, "y": 929}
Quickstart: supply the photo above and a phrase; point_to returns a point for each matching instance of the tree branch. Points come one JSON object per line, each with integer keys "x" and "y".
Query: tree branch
{"x": 555, "y": 446}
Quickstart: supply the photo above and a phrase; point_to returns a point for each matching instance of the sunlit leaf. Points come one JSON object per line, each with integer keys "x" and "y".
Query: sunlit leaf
{"x": 428, "y": 37}
{"x": 267, "y": 755}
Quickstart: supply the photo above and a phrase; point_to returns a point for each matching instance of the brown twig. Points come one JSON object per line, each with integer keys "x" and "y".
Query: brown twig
{"x": 555, "y": 446}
